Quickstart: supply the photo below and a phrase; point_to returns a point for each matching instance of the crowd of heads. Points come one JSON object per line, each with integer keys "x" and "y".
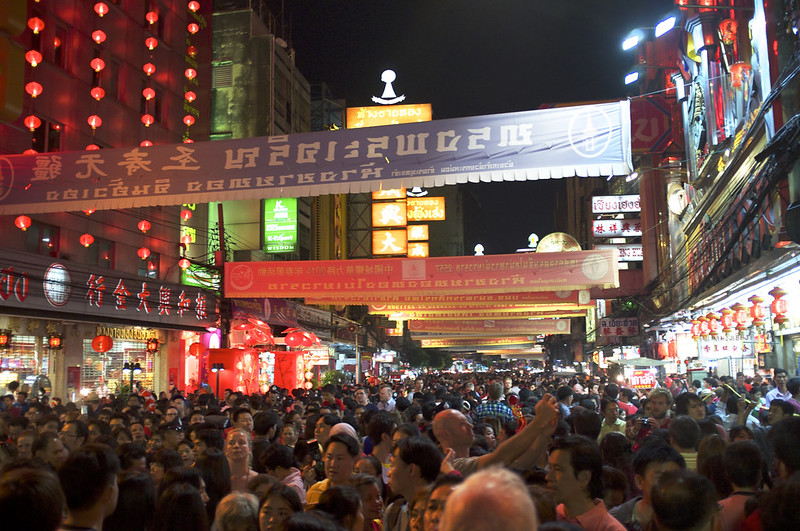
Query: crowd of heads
{"x": 440, "y": 451}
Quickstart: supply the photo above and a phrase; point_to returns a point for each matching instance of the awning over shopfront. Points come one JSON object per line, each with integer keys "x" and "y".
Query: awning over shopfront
{"x": 35, "y": 285}
{"x": 583, "y": 141}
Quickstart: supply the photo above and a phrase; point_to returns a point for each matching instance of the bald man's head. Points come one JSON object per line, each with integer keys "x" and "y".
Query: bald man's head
{"x": 494, "y": 498}
{"x": 452, "y": 429}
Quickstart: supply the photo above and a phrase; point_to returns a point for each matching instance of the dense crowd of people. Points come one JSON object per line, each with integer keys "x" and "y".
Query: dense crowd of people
{"x": 473, "y": 451}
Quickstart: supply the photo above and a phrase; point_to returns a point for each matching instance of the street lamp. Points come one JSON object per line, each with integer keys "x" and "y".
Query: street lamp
{"x": 132, "y": 369}
{"x": 216, "y": 368}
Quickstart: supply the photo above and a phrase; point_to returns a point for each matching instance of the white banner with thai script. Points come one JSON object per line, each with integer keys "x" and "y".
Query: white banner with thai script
{"x": 631, "y": 252}
{"x": 583, "y": 141}
{"x": 610, "y": 204}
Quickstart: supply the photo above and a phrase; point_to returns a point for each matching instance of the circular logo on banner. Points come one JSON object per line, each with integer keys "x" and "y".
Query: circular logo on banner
{"x": 594, "y": 267}
{"x": 561, "y": 325}
{"x": 563, "y": 293}
{"x": 589, "y": 132}
{"x": 241, "y": 277}
{"x": 6, "y": 177}
{"x": 57, "y": 285}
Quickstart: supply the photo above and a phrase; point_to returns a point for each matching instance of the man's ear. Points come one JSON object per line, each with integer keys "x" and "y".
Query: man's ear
{"x": 639, "y": 481}
{"x": 584, "y": 477}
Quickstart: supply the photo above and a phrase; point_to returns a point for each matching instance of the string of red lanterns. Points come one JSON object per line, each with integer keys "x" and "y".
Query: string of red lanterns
{"x": 190, "y": 73}
{"x": 33, "y": 88}
{"x": 740, "y": 317}
{"x": 148, "y": 118}
{"x": 96, "y": 92}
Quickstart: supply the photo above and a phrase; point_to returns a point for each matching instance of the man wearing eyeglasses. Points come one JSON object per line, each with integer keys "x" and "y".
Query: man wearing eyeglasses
{"x": 73, "y": 435}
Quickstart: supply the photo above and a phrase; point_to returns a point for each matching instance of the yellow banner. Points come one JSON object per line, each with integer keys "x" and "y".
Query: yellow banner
{"x": 466, "y": 342}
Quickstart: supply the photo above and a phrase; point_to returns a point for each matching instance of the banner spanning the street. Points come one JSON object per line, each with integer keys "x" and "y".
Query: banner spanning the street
{"x": 548, "y": 299}
{"x": 524, "y": 272}
{"x": 490, "y": 327}
{"x": 479, "y": 315}
{"x": 583, "y": 141}
{"x": 475, "y": 342}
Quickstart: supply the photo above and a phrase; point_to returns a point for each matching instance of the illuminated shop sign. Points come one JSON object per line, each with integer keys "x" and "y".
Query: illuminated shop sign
{"x": 418, "y": 233}
{"x": 609, "y": 204}
{"x": 418, "y": 250}
{"x": 389, "y": 214}
{"x": 613, "y": 228}
{"x": 358, "y": 117}
{"x": 389, "y": 242}
{"x": 425, "y": 208}
{"x": 627, "y": 253}
{"x": 394, "y": 193}
{"x": 280, "y": 225}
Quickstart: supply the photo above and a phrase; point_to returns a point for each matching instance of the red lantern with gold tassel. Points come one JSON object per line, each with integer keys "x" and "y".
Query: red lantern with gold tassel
{"x": 756, "y": 310}
{"x": 778, "y": 306}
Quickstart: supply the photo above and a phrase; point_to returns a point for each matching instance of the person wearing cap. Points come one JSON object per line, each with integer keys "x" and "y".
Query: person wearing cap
{"x": 93, "y": 403}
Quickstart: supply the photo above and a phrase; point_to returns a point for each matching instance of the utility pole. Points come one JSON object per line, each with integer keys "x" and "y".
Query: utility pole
{"x": 224, "y": 305}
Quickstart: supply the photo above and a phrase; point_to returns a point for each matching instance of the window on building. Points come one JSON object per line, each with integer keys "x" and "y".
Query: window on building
{"x": 149, "y": 267}
{"x": 43, "y": 239}
{"x": 222, "y": 74}
{"x": 101, "y": 253}
{"x": 60, "y": 41}
{"x": 20, "y": 360}
{"x": 47, "y": 137}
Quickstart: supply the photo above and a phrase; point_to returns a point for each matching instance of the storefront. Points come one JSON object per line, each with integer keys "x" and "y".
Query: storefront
{"x": 52, "y": 313}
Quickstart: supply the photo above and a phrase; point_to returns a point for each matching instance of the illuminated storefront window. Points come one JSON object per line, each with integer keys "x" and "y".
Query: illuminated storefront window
{"x": 19, "y": 361}
{"x": 102, "y": 373}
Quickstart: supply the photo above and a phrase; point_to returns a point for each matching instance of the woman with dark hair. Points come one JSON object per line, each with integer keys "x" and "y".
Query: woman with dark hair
{"x": 278, "y": 504}
{"x": 180, "y": 509}
{"x": 190, "y": 476}
{"x": 369, "y": 488}
{"x": 136, "y": 504}
{"x": 213, "y": 467}
{"x": 343, "y": 503}
{"x": 162, "y": 460}
{"x": 31, "y": 499}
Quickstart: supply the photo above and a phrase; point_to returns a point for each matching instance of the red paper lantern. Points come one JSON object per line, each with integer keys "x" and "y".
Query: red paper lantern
{"x": 97, "y": 93}
{"x": 193, "y": 6}
{"x": 54, "y": 341}
{"x": 102, "y": 343}
{"x": 99, "y": 36}
{"x": 778, "y": 305}
{"x": 22, "y": 222}
{"x": 186, "y": 214}
{"x": 740, "y": 316}
{"x": 30, "y": 151}
{"x": 190, "y": 73}
{"x": 86, "y": 239}
{"x": 97, "y": 64}
{"x": 308, "y": 385}
{"x": 193, "y": 28}
{"x": 101, "y": 8}
{"x": 33, "y": 57}
{"x": 184, "y": 263}
{"x": 90, "y": 211}
{"x": 94, "y": 121}
{"x": 727, "y": 320}
{"x": 191, "y": 50}
{"x": 144, "y": 225}
{"x": 188, "y": 120}
{"x": 293, "y": 339}
{"x": 92, "y": 147}
{"x": 151, "y": 43}
{"x": 147, "y": 120}
{"x": 36, "y": 24}
{"x": 5, "y": 338}
{"x": 738, "y": 71}
{"x": 151, "y": 17}
{"x": 705, "y": 329}
{"x": 195, "y": 349}
{"x": 143, "y": 252}
{"x": 756, "y": 310}
{"x": 713, "y": 324}
{"x": 33, "y": 88}
{"x": 186, "y": 239}
{"x": 149, "y": 68}
{"x": 148, "y": 93}
{"x": 145, "y": 143}
{"x": 32, "y": 122}
{"x": 695, "y": 328}
{"x": 188, "y": 141}
{"x": 190, "y": 96}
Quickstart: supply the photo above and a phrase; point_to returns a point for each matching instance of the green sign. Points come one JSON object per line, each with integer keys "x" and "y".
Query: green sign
{"x": 201, "y": 277}
{"x": 280, "y": 225}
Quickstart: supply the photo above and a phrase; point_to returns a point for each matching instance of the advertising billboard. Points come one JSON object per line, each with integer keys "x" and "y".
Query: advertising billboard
{"x": 280, "y": 225}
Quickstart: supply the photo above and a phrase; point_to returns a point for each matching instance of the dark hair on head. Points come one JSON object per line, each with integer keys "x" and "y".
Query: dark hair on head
{"x": 374, "y": 462}
{"x": 656, "y": 452}
{"x": 381, "y": 423}
{"x": 180, "y": 508}
{"x": 683, "y": 400}
{"x": 447, "y": 479}
{"x": 584, "y": 454}
{"x": 329, "y": 419}
{"x": 86, "y": 473}
{"x": 349, "y": 443}
{"x": 239, "y": 411}
{"x": 31, "y": 498}
{"x": 360, "y": 480}
{"x": 614, "y": 479}
{"x": 778, "y": 509}
{"x": 166, "y": 458}
{"x": 287, "y": 494}
{"x": 779, "y": 371}
{"x": 783, "y": 438}
{"x": 313, "y": 520}
{"x": 104, "y": 427}
{"x": 43, "y": 441}
{"x": 277, "y": 455}
{"x": 212, "y": 437}
{"x": 683, "y": 500}
{"x": 128, "y": 453}
{"x": 409, "y": 429}
{"x": 136, "y": 503}
{"x": 423, "y": 453}
{"x": 342, "y": 502}
{"x": 785, "y": 407}
{"x": 611, "y": 391}
{"x": 264, "y": 421}
{"x": 216, "y": 472}
{"x": 605, "y": 402}
{"x": 743, "y": 463}
{"x": 564, "y": 392}
{"x": 616, "y": 450}
{"x": 180, "y": 474}
{"x": 585, "y": 422}
{"x": 685, "y": 432}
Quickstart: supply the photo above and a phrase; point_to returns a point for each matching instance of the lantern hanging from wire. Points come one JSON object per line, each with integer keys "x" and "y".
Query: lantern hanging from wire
{"x": 143, "y": 253}
{"x": 33, "y": 57}
{"x": 22, "y": 222}
{"x": 144, "y": 225}
{"x": 756, "y": 310}
{"x": 33, "y": 88}
{"x": 778, "y": 305}
{"x": 86, "y": 239}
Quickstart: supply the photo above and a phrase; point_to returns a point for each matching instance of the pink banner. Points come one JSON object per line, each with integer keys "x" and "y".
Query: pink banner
{"x": 470, "y": 315}
{"x": 577, "y": 299}
{"x": 452, "y": 275}
{"x": 467, "y": 342}
{"x": 516, "y": 326}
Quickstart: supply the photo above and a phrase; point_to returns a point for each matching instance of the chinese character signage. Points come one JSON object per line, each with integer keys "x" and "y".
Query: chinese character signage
{"x": 385, "y": 195}
{"x": 389, "y": 242}
{"x": 280, "y": 225}
{"x": 616, "y": 228}
{"x": 425, "y": 208}
{"x": 612, "y": 204}
{"x": 586, "y": 140}
{"x": 418, "y": 250}
{"x": 389, "y": 214}
{"x": 619, "y": 327}
{"x": 418, "y": 233}
{"x": 35, "y": 283}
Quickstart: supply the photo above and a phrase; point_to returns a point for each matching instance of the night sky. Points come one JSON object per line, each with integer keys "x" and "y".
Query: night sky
{"x": 474, "y": 57}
